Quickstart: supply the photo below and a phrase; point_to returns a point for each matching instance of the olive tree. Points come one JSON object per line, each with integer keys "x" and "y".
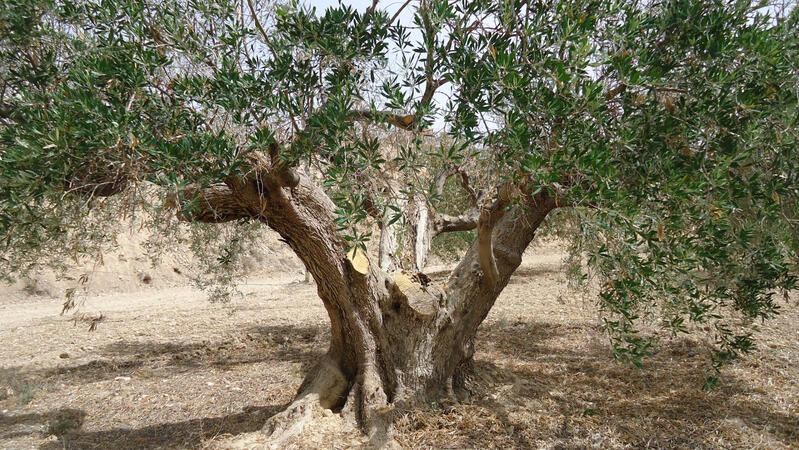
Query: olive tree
{"x": 668, "y": 129}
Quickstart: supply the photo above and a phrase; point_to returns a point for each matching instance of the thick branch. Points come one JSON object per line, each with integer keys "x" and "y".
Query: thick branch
{"x": 467, "y": 186}
{"x": 430, "y": 89}
{"x": 403, "y": 121}
{"x": 445, "y": 223}
{"x": 441, "y": 180}
{"x": 464, "y": 222}
{"x": 489, "y": 216}
{"x": 212, "y": 204}
{"x": 502, "y": 239}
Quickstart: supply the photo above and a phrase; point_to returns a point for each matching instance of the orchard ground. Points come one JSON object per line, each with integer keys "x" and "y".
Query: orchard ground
{"x": 168, "y": 369}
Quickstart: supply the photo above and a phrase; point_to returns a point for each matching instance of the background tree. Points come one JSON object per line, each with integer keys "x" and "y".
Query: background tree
{"x": 670, "y": 129}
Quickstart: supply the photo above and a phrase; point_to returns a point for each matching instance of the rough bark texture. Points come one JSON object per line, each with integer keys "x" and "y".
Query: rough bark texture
{"x": 387, "y": 350}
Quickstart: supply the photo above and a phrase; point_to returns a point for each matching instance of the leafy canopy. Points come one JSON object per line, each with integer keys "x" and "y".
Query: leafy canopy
{"x": 670, "y": 126}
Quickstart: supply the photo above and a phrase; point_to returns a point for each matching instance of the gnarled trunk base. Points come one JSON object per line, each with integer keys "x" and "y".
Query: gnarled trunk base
{"x": 412, "y": 367}
{"x": 365, "y": 409}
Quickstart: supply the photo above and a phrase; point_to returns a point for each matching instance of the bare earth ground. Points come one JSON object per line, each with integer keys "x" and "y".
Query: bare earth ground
{"x": 167, "y": 369}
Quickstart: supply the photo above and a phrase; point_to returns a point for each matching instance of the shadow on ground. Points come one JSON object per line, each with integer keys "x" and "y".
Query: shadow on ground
{"x": 58, "y": 421}
{"x": 186, "y": 434}
{"x": 542, "y": 384}
{"x": 538, "y": 384}
{"x": 301, "y": 344}
{"x": 147, "y": 359}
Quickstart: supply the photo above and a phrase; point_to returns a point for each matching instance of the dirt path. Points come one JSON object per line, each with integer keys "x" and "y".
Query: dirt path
{"x": 36, "y": 309}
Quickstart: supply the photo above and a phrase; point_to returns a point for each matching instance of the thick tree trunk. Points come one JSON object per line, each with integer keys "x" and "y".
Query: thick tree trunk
{"x": 390, "y": 346}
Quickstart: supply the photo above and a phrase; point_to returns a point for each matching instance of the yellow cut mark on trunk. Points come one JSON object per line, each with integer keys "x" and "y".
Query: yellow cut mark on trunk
{"x": 358, "y": 260}
{"x": 403, "y": 282}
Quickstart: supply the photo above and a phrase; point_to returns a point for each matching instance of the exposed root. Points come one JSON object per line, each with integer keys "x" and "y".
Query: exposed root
{"x": 326, "y": 382}
{"x": 323, "y": 388}
{"x": 290, "y": 422}
{"x": 367, "y": 404}
{"x": 464, "y": 382}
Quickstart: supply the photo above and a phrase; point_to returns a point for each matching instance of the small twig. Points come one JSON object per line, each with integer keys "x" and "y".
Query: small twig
{"x": 261, "y": 29}
{"x": 130, "y": 101}
{"x": 665, "y": 89}
{"x": 399, "y": 11}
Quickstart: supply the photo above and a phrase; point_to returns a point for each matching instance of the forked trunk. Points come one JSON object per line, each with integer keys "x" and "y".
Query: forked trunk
{"x": 393, "y": 342}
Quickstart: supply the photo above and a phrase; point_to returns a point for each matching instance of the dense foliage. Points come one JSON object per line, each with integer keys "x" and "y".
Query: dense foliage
{"x": 671, "y": 127}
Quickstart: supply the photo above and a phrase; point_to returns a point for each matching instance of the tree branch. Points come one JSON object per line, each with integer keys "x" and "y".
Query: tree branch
{"x": 464, "y": 222}
{"x": 260, "y": 27}
{"x": 403, "y": 121}
{"x": 396, "y": 14}
{"x": 372, "y": 192}
{"x": 467, "y": 186}
{"x": 489, "y": 216}
{"x": 430, "y": 89}
{"x": 445, "y": 223}
{"x": 241, "y": 196}
{"x": 431, "y": 83}
{"x": 280, "y": 169}
{"x": 408, "y": 121}
{"x": 212, "y": 204}
{"x": 97, "y": 181}
{"x": 372, "y": 7}
{"x": 441, "y": 180}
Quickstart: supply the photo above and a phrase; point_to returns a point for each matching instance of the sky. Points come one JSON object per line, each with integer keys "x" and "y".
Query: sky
{"x": 387, "y": 5}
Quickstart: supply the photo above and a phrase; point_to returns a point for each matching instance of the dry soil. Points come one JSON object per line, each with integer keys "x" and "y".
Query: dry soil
{"x": 168, "y": 369}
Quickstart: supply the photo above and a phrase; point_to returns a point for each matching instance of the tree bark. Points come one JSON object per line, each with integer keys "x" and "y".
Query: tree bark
{"x": 390, "y": 346}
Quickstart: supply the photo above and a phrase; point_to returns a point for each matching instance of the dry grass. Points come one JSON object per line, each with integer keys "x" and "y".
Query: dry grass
{"x": 162, "y": 373}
